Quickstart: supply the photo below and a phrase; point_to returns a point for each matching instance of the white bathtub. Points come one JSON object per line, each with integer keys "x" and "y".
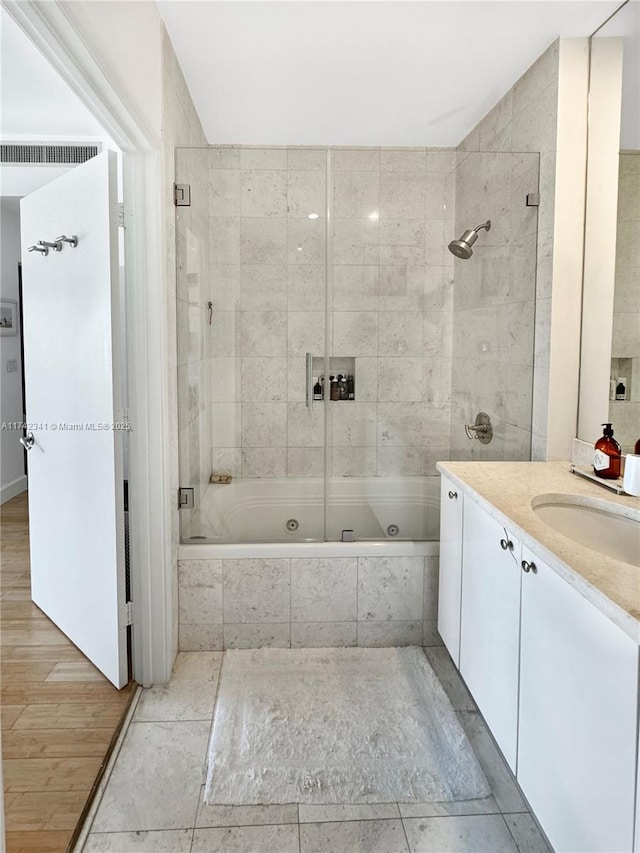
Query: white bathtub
{"x": 265, "y": 510}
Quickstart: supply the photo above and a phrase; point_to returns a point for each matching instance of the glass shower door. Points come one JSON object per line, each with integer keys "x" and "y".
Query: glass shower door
{"x": 250, "y": 307}
{"x": 390, "y": 299}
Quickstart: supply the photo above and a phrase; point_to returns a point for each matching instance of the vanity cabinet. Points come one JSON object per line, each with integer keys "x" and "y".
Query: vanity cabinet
{"x": 578, "y": 716}
{"x": 555, "y": 679}
{"x": 450, "y": 577}
{"x": 490, "y": 623}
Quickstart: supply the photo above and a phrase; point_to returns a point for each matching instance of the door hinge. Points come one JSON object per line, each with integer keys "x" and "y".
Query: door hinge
{"x": 121, "y": 216}
{"x": 533, "y": 199}
{"x": 129, "y": 613}
{"x": 185, "y": 498}
{"x": 182, "y": 195}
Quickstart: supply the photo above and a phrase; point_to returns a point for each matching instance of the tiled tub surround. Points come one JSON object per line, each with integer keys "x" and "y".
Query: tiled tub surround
{"x": 250, "y": 596}
{"x": 505, "y": 490}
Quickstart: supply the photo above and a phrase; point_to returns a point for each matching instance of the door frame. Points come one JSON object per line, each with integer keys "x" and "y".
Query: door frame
{"x": 150, "y": 510}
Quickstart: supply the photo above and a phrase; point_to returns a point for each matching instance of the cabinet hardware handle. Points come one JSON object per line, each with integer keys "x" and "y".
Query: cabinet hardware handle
{"x": 529, "y": 567}
{"x": 533, "y": 568}
{"x": 453, "y": 495}
{"x": 506, "y": 544}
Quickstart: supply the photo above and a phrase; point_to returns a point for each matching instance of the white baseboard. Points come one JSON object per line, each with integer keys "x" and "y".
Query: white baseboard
{"x": 12, "y": 489}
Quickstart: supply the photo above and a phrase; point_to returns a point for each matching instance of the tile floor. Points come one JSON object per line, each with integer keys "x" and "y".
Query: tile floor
{"x": 153, "y": 800}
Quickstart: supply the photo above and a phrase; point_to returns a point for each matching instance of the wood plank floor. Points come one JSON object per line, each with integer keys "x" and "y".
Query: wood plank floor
{"x": 58, "y": 713}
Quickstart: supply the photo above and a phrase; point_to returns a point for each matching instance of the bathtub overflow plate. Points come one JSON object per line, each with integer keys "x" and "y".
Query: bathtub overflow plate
{"x": 393, "y": 530}
{"x": 292, "y": 525}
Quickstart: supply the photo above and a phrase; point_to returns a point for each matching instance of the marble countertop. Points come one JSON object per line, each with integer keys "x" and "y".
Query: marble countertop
{"x": 505, "y": 490}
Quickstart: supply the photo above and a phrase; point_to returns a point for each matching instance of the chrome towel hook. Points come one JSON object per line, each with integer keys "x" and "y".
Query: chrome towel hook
{"x": 56, "y": 245}
{"x": 72, "y": 241}
{"x": 42, "y": 249}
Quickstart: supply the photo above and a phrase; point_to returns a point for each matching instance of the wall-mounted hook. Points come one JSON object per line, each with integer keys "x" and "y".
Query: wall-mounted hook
{"x": 56, "y": 245}
{"x": 210, "y": 310}
{"x": 42, "y": 249}
{"x": 72, "y": 241}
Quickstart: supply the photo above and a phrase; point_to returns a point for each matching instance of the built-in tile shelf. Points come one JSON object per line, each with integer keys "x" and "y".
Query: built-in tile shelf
{"x": 342, "y": 389}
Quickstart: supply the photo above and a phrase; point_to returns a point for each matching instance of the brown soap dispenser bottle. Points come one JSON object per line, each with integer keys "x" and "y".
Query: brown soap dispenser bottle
{"x": 607, "y": 453}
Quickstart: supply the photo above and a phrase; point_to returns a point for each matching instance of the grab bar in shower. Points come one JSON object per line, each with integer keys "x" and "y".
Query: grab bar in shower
{"x": 309, "y": 389}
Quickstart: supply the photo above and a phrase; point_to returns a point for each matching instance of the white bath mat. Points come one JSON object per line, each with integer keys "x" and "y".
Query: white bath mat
{"x": 336, "y": 726}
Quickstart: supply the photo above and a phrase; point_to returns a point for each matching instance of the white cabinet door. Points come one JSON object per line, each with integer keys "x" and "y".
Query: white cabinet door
{"x": 450, "y": 578}
{"x": 578, "y": 709}
{"x": 490, "y": 623}
{"x": 72, "y": 372}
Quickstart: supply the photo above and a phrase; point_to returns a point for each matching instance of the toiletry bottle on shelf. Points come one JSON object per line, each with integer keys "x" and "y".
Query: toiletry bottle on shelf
{"x": 636, "y": 449}
{"x": 351, "y": 391}
{"x": 334, "y": 388}
{"x": 612, "y": 388}
{"x": 317, "y": 390}
{"x": 342, "y": 383}
{"x": 621, "y": 388}
{"x": 606, "y": 457}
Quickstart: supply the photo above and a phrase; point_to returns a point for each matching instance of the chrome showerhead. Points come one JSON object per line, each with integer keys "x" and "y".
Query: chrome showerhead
{"x": 462, "y": 248}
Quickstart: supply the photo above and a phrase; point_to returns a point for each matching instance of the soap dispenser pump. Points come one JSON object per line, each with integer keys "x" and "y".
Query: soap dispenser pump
{"x": 607, "y": 455}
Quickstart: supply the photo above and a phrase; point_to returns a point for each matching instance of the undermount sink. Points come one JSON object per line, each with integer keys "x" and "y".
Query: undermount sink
{"x": 597, "y": 524}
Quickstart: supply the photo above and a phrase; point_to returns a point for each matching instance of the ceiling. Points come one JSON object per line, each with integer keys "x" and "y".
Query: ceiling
{"x": 361, "y": 73}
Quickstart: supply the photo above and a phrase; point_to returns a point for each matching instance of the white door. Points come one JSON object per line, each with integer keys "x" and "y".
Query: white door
{"x": 72, "y": 371}
{"x": 490, "y": 623}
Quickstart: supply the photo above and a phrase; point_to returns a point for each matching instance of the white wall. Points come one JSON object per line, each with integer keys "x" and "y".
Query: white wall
{"x": 12, "y": 479}
{"x": 126, "y": 39}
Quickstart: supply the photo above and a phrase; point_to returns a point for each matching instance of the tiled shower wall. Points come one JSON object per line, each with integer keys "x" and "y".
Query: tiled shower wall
{"x": 625, "y": 415}
{"x": 494, "y": 305}
{"x": 391, "y": 294}
{"x": 526, "y": 119}
{"x": 294, "y": 603}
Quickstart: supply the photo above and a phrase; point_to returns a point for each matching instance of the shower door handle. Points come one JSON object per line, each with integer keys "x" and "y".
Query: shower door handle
{"x": 309, "y": 388}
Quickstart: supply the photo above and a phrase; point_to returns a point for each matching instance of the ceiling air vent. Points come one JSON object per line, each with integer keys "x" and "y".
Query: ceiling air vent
{"x": 46, "y": 155}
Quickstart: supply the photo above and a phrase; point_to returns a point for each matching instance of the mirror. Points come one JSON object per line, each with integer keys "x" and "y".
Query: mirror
{"x": 610, "y": 353}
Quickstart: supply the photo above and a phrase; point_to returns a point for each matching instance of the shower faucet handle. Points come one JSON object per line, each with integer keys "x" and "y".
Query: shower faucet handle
{"x": 482, "y": 429}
